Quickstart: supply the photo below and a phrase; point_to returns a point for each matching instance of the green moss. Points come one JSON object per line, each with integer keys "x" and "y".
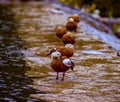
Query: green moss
{"x": 111, "y": 70}
{"x": 38, "y": 71}
{"x": 83, "y": 43}
{"x": 92, "y": 62}
{"x": 115, "y": 28}
{"x": 108, "y": 8}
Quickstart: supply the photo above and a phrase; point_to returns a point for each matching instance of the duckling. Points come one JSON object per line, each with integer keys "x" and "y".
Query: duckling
{"x": 76, "y": 18}
{"x": 60, "y": 31}
{"x": 68, "y": 38}
{"x": 71, "y": 25}
{"x": 60, "y": 64}
{"x": 67, "y": 50}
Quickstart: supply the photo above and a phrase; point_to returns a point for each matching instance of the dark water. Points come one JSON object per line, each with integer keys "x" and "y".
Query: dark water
{"x": 13, "y": 83}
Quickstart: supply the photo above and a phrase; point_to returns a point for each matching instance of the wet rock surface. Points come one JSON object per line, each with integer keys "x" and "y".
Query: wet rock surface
{"x": 96, "y": 77}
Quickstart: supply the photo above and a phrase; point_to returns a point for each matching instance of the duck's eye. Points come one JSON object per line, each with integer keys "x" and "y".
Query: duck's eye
{"x": 58, "y": 54}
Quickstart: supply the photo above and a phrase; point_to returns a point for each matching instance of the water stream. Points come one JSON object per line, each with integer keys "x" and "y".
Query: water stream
{"x": 27, "y": 33}
{"x": 14, "y": 85}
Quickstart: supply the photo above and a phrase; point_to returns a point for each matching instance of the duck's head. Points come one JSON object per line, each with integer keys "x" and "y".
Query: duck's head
{"x": 76, "y": 18}
{"x": 67, "y": 62}
{"x": 51, "y": 51}
{"x": 68, "y": 32}
{"x": 59, "y": 27}
{"x": 56, "y": 55}
{"x": 71, "y": 20}
{"x": 68, "y": 45}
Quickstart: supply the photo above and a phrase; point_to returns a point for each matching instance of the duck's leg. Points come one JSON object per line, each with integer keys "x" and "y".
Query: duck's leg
{"x": 63, "y": 76}
{"x": 57, "y": 76}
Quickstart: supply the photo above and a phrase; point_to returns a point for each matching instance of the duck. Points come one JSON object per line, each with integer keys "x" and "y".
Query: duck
{"x": 71, "y": 25}
{"x": 67, "y": 50}
{"x": 76, "y": 17}
{"x": 61, "y": 63}
{"x": 68, "y": 38}
{"x": 60, "y": 31}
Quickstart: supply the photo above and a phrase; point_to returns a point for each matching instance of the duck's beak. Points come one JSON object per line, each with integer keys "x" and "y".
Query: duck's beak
{"x": 72, "y": 67}
{"x": 51, "y": 51}
{"x": 48, "y": 53}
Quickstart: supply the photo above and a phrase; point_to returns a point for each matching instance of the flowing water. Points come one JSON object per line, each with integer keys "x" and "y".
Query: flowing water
{"x": 27, "y": 33}
{"x": 14, "y": 85}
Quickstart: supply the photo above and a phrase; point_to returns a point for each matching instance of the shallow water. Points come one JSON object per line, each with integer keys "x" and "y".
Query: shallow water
{"x": 14, "y": 85}
{"x": 96, "y": 75}
{"x": 92, "y": 26}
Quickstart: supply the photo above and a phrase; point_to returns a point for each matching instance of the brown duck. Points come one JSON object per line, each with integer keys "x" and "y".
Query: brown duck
{"x": 71, "y": 25}
{"x": 76, "y": 18}
{"x": 67, "y": 50}
{"x": 60, "y": 31}
{"x": 60, "y": 64}
{"x": 68, "y": 38}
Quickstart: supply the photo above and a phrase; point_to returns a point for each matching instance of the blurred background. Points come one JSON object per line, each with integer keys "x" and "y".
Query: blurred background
{"x": 106, "y": 8}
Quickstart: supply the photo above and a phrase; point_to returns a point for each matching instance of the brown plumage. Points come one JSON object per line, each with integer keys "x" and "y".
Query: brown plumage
{"x": 71, "y": 25}
{"x": 76, "y": 17}
{"x": 61, "y": 64}
{"x": 68, "y": 38}
{"x": 60, "y": 31}
{"x": 67, "y": 50}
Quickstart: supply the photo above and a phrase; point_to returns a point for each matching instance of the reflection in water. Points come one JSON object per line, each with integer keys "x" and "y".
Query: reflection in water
{"x": 13, "y": 83}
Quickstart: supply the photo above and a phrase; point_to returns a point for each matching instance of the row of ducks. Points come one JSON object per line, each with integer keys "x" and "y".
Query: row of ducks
{"x": 60, "y": 55}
